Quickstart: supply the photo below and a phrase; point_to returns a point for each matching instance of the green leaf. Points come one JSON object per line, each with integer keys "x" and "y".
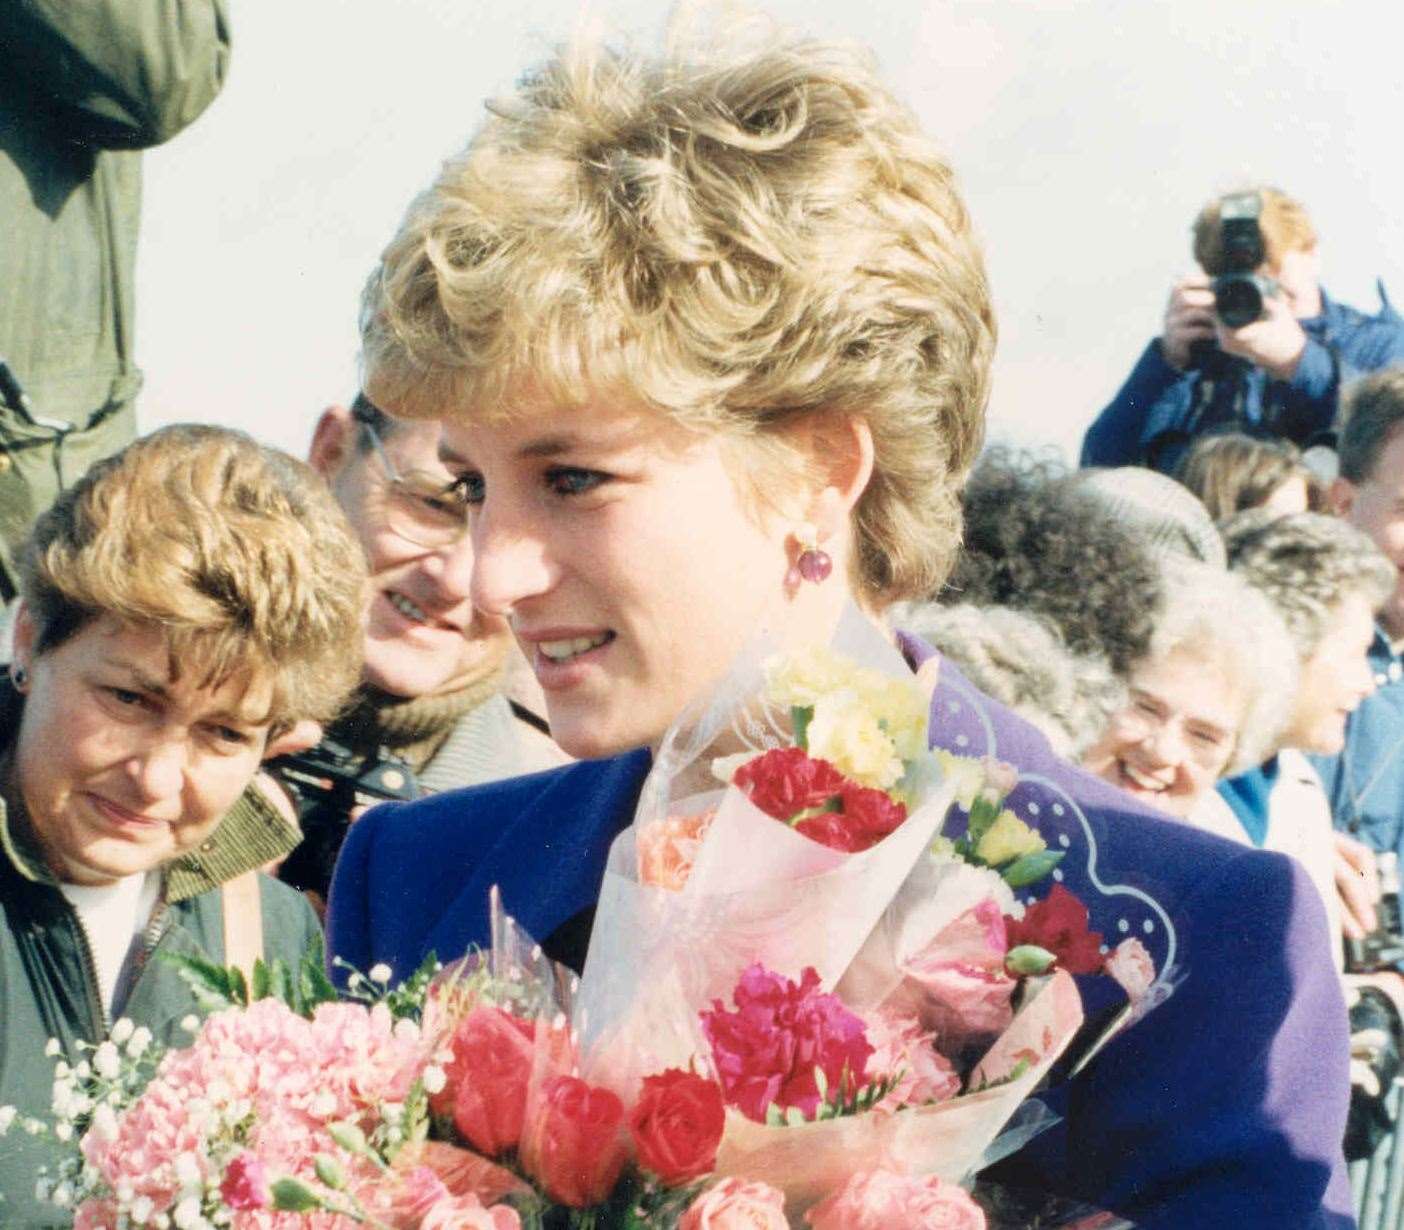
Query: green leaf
{"x": 238, "y": 987}
{"x": 292, "y": 1196}
{"x": 313, "y": 984}
{"x": 1028, "y": 959}
{"x": 280, "y": 984}
{"x": 800, "y": 718}
{"x": 260, "y": 980}
{"x": 1031, "y": 868}
{"x": 210, "y": 984}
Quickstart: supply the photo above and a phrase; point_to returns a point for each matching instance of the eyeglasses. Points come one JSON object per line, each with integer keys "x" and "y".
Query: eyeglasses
{"x": 425, "y": 509}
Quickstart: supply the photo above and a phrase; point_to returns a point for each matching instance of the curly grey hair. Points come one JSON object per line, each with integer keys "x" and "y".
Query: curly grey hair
{"x": 1219, "y": 616}
{"x": 1020, "y": 660}
{"x": 1307, "y": 565}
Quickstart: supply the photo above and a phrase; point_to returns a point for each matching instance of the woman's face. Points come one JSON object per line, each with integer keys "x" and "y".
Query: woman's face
{"x": 630, "y": 563}
{"x": 1289, "y": 497}
{"x": 121, "y": 767}
{"x": 1173, "y": 739}
{"x": 1335, "y": 679}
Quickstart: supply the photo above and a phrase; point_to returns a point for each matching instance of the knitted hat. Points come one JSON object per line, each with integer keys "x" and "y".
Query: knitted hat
{"x": 1167, "y": 517}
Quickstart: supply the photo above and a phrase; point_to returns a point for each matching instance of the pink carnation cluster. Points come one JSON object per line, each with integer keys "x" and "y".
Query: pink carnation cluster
{"x": 287, "y": 1075}
{"x": 768, "y": 1050}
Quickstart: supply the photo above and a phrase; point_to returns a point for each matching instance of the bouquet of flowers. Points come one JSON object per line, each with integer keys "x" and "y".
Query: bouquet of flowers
{"x": 812, "y": 998}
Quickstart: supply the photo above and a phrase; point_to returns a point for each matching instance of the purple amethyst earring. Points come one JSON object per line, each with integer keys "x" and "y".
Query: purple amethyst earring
{"x": 813, "y": 564}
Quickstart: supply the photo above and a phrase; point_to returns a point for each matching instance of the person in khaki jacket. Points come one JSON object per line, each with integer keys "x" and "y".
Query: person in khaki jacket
{"x": 84, "y": 88}
{"x": 188, "y": 609}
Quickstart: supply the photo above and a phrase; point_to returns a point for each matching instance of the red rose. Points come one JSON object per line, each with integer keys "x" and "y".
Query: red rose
{"x": 487, "y": 1078}
{"x": 1059, "y": 924}
{"x": 574, "y": 1147}
{"x": 677, "y": 1125}
{"x": 786, "y": 781}
{"x": 245, "y": 1186}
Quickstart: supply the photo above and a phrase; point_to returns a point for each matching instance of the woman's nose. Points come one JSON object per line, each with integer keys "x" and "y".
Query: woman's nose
{"x": 511, "y": 561}
{"x": 158, "y": 771}
{"x": 1165, "y": 745}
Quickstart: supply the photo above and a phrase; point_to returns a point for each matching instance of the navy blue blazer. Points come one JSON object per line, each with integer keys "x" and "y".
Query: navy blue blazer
{"x": 1223, "y": 1107}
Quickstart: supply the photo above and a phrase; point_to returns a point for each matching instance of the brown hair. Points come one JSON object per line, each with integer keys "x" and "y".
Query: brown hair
{"x": 1230, "y": 472}
{"x": 236, "y": 551}
{"x": 1371, "y": 411}
{"x": 738, "y": 238}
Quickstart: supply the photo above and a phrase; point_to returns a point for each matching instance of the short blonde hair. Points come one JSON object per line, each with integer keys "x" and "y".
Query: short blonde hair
{"x": 739, "y": 238}
{"x": 236, "y": 551}
{"x": 1283, "y": 222}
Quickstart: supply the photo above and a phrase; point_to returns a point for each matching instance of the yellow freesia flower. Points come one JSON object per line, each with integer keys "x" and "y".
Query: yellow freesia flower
{"x": 1008, "y": 838}
{"x": 967, "y": 773}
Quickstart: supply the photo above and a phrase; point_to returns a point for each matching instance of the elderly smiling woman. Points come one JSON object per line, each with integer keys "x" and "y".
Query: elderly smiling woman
{"x": 710, "y": 337}
{"x": 190, "y": 608}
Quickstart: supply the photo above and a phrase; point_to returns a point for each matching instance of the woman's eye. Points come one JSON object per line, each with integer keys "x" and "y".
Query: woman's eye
{"x": 231, "y": 736}
{"x": 125, "y": 697}
{"x": 465, "y": 489}
{"x": 1210, "y": 738}
{"x": 570, "y": 480}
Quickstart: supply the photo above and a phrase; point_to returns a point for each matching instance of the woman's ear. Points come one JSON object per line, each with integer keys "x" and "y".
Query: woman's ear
{"x": 24, "y": 634}
{"x": 841, "y": 449}
{"x": 304, "y": 734}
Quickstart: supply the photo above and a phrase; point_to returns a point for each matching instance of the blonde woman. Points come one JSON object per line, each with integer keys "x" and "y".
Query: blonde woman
{"x": 710, "y": 337}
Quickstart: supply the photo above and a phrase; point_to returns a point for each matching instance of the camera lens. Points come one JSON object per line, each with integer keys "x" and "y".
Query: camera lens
{"x": 1238, "y": 300}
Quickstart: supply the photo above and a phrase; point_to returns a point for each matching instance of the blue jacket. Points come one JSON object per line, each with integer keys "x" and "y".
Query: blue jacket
{"x": 1365, "y": 783}
{"x": 1153, "y": 416}
{"x": 1225, "y": 1106}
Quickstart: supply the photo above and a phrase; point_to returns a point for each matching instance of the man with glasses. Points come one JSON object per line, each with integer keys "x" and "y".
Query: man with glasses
{"x": 440, "y": 704}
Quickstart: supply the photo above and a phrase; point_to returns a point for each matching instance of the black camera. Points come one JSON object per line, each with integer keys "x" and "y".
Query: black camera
{"x": 1383, "y": 948}
{"x": 1239, "y": 291}
{"x": 328, "y": 782}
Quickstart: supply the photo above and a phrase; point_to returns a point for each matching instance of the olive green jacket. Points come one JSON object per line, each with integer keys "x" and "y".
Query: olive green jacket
{"x": 84, "y": 87}
{"x": 48, "y": 987}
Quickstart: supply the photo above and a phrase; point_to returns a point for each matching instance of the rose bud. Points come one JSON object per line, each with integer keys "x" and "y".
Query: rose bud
{"x": 573, "y": 1145}
{"x": 487, "y": 1079}
{"x": 677, "y": 1125}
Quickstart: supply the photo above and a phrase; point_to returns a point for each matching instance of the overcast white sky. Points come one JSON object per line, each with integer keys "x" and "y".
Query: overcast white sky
{"x": 1086, "y": 133}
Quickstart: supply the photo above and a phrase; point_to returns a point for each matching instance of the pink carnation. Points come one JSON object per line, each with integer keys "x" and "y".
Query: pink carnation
{"x": 469, "y": 1213}
{"x": 959, "y": 978}
{"x": 734, "y": 1204}
{"x": 900, "y": 1045}
{"x": 245, "y": 1184}
{"x": 668, "y": 848}
{"x": 767, "y": 1051}
{"x": 1131, "y": 965}
{"x": 881, "y": 1199}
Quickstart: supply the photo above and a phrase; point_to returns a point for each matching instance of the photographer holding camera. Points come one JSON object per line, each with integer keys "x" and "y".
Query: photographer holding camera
{"x": 1251, "y": 344}
{"x": 439, "y": 705}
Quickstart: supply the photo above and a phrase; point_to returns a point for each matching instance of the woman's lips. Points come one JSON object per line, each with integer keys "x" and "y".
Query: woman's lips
{"x": 582, "y": 651}
{"x": 117, "y": 817}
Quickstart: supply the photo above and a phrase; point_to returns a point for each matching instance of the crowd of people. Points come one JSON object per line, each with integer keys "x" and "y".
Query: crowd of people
{"x": 680, "y": 351}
